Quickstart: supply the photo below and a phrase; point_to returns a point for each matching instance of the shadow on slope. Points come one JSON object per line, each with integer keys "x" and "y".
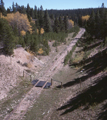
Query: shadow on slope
{"x": 92, "y": 66}
{"x": 103, "y": 114}
{"x": 91, "y": 96}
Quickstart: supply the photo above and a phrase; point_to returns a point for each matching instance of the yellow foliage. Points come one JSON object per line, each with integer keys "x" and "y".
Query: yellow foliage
{"x": 31, "y": 52}
{"x": 33, "y": 21}
{"x": 41, "y": 31}
{"x": 85, "y": 17}
{"x": 19, "y": 20}
{"x": 1, "y": 15}
{"x": 72, "y": 22}
{"x": 40, "y": 51}
{"x": 23, "y": 33}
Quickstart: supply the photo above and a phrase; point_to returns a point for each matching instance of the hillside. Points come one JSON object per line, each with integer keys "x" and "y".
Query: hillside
{"x": 83, "y": 95}
{"x": 53, "y": 63}
{"x": 12, "y": 67}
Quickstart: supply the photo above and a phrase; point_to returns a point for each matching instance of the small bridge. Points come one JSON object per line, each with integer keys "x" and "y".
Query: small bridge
{"x": 44, "y": 84}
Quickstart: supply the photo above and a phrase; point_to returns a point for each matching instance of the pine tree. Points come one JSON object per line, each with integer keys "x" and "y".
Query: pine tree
{"x": 2, "y": 3}
{"x": 28, "y": 12}
{"x": 80, "y": 21}
{"x": 2, "y": 9}
{"x": 28, "y": 9}
{"x": 105, "y": 25}
{"x": 41, "y": 16}
{"x": 6, "y": 35}
{"x": 15, "y": 30}
{"x": 47, "y": 24}
{"x": 32, "y": 13}
{"x": 23, "y": 10}
{"x": 13, "y": 6}
{"x": 61, "y": 26}
{"x": 38, "y": 13}
{"x": 37, "y": 23}
{"x": 52, "y": 16}
{"x": 91, "y": 24}
{"x": 102, "y": 6}
{"x": 33, "y": 46}
{"x": 97, "y": 24}
{"x": 8, "y": 10}
{"x": 17, "y": 6}
{"x": 65, "y": 23}
{"x": 35, "y": 13}
{"x": 56, "y": 25}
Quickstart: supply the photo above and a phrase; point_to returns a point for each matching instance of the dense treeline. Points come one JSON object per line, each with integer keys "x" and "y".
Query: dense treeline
{"x": 96, "y": 26}
{"x": 43, "y": 25}
{"x": 75, "y": 14}
{"x": 32, "y": 28}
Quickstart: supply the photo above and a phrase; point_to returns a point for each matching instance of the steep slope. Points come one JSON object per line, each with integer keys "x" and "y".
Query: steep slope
{"x": 12, "y": 67}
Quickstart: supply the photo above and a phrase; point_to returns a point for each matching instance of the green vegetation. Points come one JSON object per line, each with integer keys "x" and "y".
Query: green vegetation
{"x": 68, "y": 56}
{"x": 75, "y": 30}
{"x": 96, "y": 26}
{"x": 50, "y": 99}
{"x": 38, "y": 30}
{"x": 7, "y": 36}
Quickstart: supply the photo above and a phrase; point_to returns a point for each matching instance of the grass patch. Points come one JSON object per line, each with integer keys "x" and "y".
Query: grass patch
{"x": 50, "y": 99}
{"x": 78, "y": 57}
{"x": 68, "y": 56}
{"x": 74, "y": 30}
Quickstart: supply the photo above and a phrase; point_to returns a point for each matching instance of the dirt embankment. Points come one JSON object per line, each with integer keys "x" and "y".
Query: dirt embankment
{"x": 12, "y": 67}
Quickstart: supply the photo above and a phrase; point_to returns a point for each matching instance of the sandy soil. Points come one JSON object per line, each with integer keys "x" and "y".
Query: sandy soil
{"x": 12, "y": 67}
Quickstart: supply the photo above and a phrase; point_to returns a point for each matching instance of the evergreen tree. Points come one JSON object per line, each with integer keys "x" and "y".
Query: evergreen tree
{"x": 35, "y": 13}
{"x": 8, "y": 10}
{"x": 29, "y": 18}
{"x": 52, "y": 16}
{"x": 28, "y": 11}
{"x": 91, "y": 24}
{"x": 97, "y": 24}
{"x": 47, "y": 24}
{"x": 13, "y": 6}
{"x": 15, "y": 30}
{"x": 23, "y": 10}
{"x": 2, "y": 8}
{"x": 80, "y": 21}
{"x": 65, "y": 23}
{"x": 102, "y": 6}
{"x": 105, "y": 25}
{"x": 37, "y": 23}
{"x": 6, "y": 35}
{"x": 2, "y": 3}
{"x": 61, "y": 26}
{"x": 32, "y": 13}
{"x": 38, "y": 13}
{"x": 17, "y": 6}
{"x": 41, "y": 16}
{"x": 56, "y": 25}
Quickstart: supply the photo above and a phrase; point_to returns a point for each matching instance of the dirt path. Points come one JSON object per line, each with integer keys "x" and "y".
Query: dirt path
{"x": 46, "y": 73}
